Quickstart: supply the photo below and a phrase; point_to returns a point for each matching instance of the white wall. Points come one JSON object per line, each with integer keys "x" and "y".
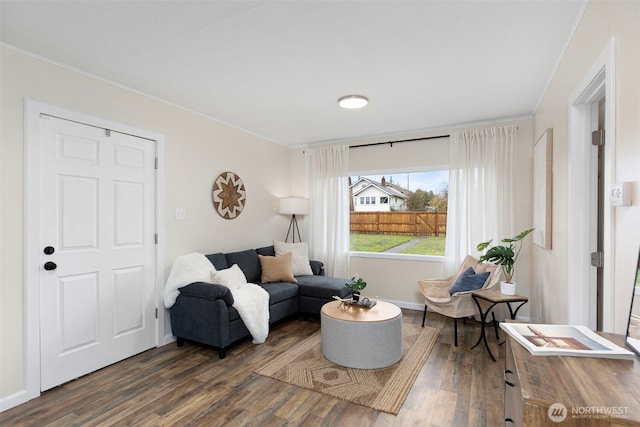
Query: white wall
{"x": 197, "y": 150}
{"x": 601, "y": 22}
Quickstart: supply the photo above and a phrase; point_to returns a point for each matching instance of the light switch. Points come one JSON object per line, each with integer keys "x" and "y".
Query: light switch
{"x": 621, "y": 194}
{"x": 181, "y": 214}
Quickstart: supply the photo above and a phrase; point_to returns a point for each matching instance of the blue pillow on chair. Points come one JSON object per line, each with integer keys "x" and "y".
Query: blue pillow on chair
{"x": 468, "y": 272}
{"x": 469, "y": 281}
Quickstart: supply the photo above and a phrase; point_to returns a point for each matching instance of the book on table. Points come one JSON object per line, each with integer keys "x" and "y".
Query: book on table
{"x": 564, "y": 340}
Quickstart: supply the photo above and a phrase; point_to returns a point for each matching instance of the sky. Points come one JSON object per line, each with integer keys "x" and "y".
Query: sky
{"x": 428, "y": 181}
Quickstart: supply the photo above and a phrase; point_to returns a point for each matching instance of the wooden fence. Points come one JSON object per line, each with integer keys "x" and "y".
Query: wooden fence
{"x": 416, "y": 223}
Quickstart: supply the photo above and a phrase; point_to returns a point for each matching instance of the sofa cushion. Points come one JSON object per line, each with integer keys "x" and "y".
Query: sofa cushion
{"x": 322, "y": 287}
{"x": 219, "y": 261}
{"x": 233, "y": 314}
{"x": 299, "y": 256}
{"x": 232, "y": 277}
{"x": 276, "y": 269}
{"x": 280, "y": 291}
{"x": 248, "y": 262}
{"x": 317, "y": 267}
{"x": 267, "y": 251}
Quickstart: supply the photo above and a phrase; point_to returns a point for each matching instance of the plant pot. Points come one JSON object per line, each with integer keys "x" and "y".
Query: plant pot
{"x": 508, "y": 288}
{"x": 355, "y": 296}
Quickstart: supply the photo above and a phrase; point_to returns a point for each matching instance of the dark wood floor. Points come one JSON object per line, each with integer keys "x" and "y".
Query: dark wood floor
{"x": 191, "y": 386}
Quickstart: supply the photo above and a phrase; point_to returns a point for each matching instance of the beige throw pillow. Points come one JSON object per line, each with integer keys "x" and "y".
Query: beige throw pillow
{"x": 299, "y": 256}
{"x": 276, "y": 268}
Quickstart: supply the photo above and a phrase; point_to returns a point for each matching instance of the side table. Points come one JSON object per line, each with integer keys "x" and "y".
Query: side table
{"x": 494, "y": 297}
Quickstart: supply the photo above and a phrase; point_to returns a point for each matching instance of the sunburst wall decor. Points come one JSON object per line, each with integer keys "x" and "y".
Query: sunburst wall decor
{"x": 229, "y": 195}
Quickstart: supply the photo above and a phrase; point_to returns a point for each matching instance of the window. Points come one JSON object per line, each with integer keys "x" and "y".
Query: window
{"x": 410, "y": 216}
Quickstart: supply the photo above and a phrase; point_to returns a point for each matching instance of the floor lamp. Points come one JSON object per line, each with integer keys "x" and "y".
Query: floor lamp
{"x": 294, "y": 206}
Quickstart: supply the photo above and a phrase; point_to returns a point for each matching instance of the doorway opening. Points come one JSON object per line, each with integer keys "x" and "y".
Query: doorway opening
{"x": 590, "y": 171}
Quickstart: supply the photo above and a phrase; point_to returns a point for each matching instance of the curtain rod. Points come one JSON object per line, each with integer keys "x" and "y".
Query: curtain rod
{"x": 398, "y": 141}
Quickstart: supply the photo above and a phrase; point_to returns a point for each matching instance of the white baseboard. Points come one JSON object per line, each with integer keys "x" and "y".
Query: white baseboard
{"x": 420, "y": 307}
{"x": 405, "y": 304}
{"x": 23, "y": 396}
{"x": 168, "y": 339}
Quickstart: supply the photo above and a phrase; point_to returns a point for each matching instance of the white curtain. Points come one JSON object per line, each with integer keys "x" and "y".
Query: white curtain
{"x": 481, "y": 191}
{"x": 327, "y": 172}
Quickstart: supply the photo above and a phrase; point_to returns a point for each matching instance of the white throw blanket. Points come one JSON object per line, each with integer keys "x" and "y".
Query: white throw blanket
{"x": 251, "y": 301}
{"x": 193, "y": 267}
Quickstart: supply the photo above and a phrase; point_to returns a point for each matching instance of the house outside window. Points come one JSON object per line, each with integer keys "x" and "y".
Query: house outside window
{"x": 412, "y": 211}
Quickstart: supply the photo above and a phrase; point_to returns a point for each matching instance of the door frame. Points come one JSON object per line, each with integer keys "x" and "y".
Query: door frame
{"x": 598, "y": 82}
{"x": 32, "y": 111}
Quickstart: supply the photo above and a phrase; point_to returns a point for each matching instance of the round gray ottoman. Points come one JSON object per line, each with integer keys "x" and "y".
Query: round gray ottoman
{"x": 362, "y": 338}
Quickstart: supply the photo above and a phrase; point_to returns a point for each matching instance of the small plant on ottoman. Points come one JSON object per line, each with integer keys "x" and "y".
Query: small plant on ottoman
{"x": 356, "y": 284}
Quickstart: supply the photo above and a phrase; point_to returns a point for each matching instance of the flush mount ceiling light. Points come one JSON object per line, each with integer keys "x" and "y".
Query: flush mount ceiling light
{"x": 353, "y": 101}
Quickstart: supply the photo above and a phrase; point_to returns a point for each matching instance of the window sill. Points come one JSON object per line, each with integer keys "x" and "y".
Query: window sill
{"x": 403, "y": 257}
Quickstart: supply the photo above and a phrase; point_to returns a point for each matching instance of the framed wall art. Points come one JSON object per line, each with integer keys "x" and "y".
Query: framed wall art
{"x": 229, "y": 195}
{"x": 542, "y": 188}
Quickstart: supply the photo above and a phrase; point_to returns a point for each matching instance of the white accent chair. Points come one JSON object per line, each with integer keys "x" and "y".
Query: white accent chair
{"x": 460, "y": 305}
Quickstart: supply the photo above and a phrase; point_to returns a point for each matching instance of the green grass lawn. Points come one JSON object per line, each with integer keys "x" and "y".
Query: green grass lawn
{"x": 376, "y": 242}
{"x": 381, "y": 242}
{"x": 429, "y": 246}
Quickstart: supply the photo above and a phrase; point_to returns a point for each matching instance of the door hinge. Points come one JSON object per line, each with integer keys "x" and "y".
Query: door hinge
{"x": 155, "y": 238}
{"x": 107, "y": 132}
{"x": 156, "y": 312}
{"x": 156, "y": 163}
{"x": 597, "y": 259}
{"x": 597, "y": 137}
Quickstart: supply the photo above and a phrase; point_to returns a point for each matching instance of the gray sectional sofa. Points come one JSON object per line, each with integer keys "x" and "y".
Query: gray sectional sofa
{"x": 203, "y": 312}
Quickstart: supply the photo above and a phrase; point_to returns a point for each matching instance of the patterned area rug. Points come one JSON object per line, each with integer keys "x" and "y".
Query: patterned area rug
{"x": 381, "y": 389}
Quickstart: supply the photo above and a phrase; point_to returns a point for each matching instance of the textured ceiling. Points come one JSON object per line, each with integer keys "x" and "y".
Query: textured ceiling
{"x": 277, "y": 68}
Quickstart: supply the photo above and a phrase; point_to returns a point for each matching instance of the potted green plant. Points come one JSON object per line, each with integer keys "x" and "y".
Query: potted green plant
{"x": 505, "y": 256}
{"x": 356, "y": 284}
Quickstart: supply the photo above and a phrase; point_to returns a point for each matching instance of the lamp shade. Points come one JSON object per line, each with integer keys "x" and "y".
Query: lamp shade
{"x": 294, "y": 206}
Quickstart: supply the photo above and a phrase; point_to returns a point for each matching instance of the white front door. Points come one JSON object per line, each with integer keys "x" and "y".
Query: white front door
{"x": 97, "y": 255}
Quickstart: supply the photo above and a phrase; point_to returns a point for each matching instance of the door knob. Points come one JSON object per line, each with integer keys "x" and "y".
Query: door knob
{"x": 50, "y": 265}
{"x": 49, "y": 250}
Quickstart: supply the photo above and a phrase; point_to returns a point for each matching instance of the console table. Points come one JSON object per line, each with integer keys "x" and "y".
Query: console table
{"x": 494, "y": 298}
{"x": 576, "y": 391}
